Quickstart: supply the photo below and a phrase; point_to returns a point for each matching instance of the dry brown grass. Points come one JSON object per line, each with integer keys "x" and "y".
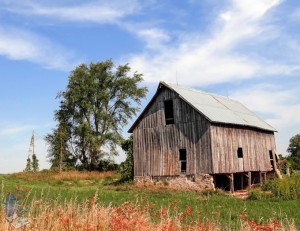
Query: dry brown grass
{"x": 67, "y": 175}
{"x": 90, "y": 216}
{"x": 70, "y": 175}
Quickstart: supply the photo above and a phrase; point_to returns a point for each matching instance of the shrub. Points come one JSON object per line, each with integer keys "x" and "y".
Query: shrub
{"x": 287, "y": 188}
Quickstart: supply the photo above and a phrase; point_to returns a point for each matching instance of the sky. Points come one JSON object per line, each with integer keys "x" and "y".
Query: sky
{"x": 248, "y": 50}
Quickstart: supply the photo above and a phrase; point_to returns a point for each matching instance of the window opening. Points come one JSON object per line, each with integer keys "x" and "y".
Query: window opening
{"x": 271, "y": 159}
{"x": 169, "y": 112}
{"x": 182, "y": 154}
{"x": 182, "y": 159}
{"x": 271, "y": 154}
{"x": 240, "y": 152}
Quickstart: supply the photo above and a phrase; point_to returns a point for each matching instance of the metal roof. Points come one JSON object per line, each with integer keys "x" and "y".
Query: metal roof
{"x": 219, "y": 109}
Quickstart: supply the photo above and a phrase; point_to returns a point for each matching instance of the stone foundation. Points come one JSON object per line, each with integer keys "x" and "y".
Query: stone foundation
{"x": 199, "y": 182}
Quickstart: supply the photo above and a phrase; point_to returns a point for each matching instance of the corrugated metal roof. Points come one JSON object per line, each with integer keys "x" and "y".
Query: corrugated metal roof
{"x": 219, "y": 109}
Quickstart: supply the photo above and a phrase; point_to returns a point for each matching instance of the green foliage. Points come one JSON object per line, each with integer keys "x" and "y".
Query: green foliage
{"x": 32, "y": 164}
{"x": 287, "y": 188}
{"x": 59, "y": 151}
{"x": 258, "y": 194}
{"x": 28, "y": 165}
{"x": 284, "y": 165}
{"x": 98, "y": 102}
{"x": 35, "y": 163}
{"x": 107, "y": 165}
{"x": 126, "y": 168}
{"x": 294, "y": 152}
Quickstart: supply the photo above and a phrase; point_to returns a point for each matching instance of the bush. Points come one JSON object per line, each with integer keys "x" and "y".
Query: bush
{"x": 287, "y": 188}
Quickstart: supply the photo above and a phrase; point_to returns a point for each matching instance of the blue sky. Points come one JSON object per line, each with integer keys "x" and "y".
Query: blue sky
{"x": 248, "y": 50}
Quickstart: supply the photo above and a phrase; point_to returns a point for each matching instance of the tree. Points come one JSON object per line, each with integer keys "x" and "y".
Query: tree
{"x": 28, "y": 165}
{"x": 98, "y": 102}
{"x": 59, "y": 153}
{"x": 294, "y": 152}
{"x": 126, "y": 168}
{"x": 34, "y": 163}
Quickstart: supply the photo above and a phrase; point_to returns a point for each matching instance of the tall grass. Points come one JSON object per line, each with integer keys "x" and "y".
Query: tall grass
{"x": 287, "y": 188}
{"x": 126, "y": 207}
{"x": 91, "y": 216}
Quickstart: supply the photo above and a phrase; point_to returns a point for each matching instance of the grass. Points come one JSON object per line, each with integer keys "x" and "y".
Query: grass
{"x": 151, "y": 207}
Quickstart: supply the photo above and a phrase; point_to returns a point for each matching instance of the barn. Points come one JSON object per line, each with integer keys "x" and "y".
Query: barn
{"x": 184, "y": 132}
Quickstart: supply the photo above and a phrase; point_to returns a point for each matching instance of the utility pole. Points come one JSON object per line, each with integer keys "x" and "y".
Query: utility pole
{"x": 31, "y": 154}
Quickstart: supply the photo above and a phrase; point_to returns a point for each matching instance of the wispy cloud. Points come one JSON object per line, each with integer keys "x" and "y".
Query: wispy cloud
{"x": 14, "y": 130}
{"x": 217, "y": 57}
{"x": 277, "y": 104}
{"x": 280, "y": 103}
{"x": 18, "y": 44}
{"x": 96, "y": 11}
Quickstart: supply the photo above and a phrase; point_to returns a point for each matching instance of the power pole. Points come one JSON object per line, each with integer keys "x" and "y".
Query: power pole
{"x": 31, "y": 146}
{"x": 30, "y": 154}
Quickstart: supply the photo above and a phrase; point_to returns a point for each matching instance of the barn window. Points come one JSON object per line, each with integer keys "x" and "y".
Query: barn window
{"x": 182, "y": 158}
{"x": 240, "y": 152}
{"x": 169, "y": 112}
{"x": 271, "y": 154}
{"x": 271, "y": 159}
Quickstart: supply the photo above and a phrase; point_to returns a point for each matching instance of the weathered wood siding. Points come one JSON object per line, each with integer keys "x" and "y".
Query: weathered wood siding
{"x": 156, "y": 145}
{"x": 254, "y": 142}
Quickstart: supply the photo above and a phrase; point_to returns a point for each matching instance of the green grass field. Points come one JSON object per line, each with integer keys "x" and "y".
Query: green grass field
{"x": 54, "y": 189}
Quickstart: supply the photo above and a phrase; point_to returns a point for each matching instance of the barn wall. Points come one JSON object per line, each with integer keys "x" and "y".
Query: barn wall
{"x": 156, "y": 145}
{"x": 254, "y": 142}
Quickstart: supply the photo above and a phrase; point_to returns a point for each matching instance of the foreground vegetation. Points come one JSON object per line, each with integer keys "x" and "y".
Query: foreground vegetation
{"x": 94, "y": 201}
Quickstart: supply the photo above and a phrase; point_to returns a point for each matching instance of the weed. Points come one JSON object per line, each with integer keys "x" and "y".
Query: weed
{"x": 287, "y": 188}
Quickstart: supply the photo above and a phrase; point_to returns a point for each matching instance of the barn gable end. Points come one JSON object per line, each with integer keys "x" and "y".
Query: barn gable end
{"x": 157, "y": 145}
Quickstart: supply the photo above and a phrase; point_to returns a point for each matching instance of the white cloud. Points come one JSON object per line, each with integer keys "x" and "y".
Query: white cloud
{"x": 154, "y": 37}
{"x": 280, "y": 107}
{"x": 97, "y": 11}
{"x": 199, "y": 60}
{"x": 19, "y": 44}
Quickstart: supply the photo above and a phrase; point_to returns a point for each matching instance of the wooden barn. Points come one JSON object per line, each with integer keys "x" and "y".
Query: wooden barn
{"x": 187, "y": 132}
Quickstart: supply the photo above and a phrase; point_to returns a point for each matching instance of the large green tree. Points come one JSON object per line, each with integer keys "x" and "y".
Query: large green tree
{"x": 294, "y": 152}
{"x": 98, "y": 102}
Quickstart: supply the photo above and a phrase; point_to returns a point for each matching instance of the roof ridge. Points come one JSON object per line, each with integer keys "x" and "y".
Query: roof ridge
{"x": 201, "y": 91}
